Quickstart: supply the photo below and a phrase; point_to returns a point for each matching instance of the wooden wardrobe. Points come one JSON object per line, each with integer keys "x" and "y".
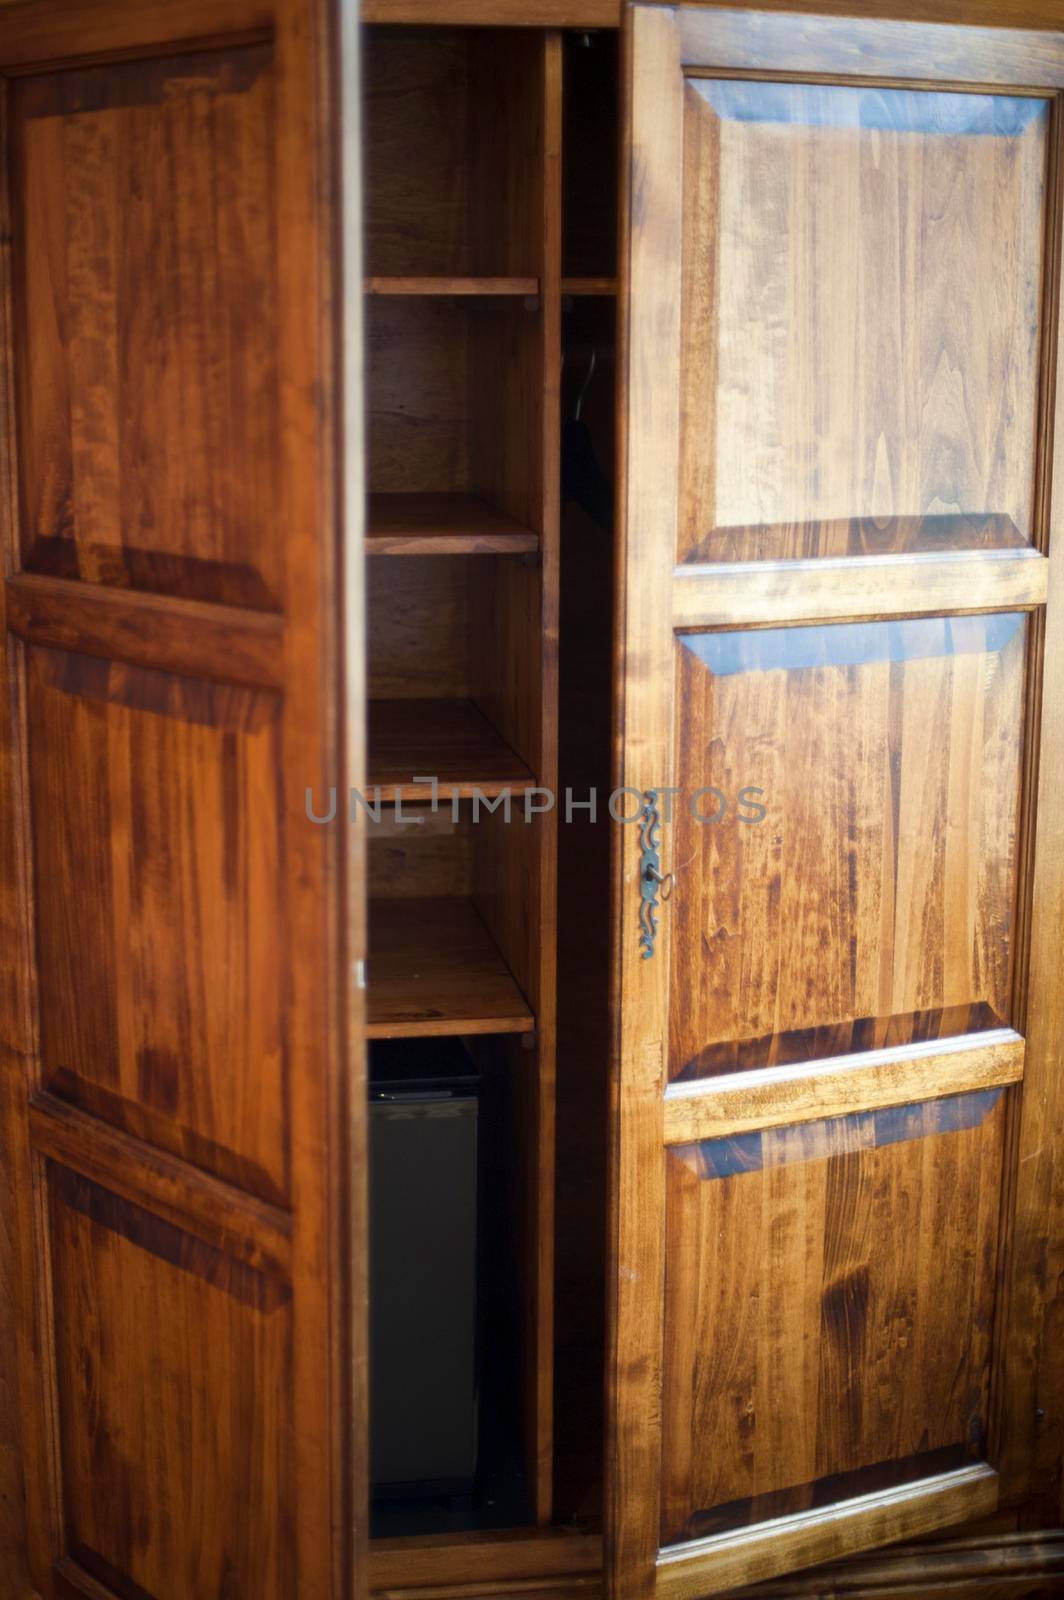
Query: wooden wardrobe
{"x": 411, "y": 427}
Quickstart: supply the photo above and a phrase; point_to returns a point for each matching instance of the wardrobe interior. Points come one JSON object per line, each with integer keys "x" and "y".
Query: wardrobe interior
{"x": 490, "y": 304}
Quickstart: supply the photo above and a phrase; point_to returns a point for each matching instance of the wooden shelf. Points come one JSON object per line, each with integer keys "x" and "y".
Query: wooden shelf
{"x": 450, "y": 740}
{"x": 453, "y": 286}
{"x": 442, "y": 525}
{"x": 589, "y": 286}
{"x": 434, "y": 969}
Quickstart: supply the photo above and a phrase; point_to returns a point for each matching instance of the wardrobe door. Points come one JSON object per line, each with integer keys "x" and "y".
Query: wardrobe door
{"x": 179, "y": 1096}
{"x": 837, "y": 1232}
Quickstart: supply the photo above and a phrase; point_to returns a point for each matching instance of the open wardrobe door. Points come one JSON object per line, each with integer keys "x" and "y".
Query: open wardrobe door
{"x": 837, "y": 1075}
{"x": 181, "y": 1099}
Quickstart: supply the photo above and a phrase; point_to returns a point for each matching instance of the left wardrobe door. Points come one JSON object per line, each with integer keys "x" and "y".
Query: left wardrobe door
{"x": 181, "y": 1086}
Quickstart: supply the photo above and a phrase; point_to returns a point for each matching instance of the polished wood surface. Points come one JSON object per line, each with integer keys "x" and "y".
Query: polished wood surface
{"x": 872, "y": 904}
{"x": 177, "y": 1077}
{"x": 822, "y": 384}
{"x": 142, "y": 261}
{"x": 435, "y": 970}
{"x": 880, "y": 1519}
{"x": 442, "y": 524}
{"x": 609, "y": 14}
{"x": 197, "y": 1311}
{"x": 798, "y": 1261}
{"x": 140, "y": 997}
{"x": 446, "y": 740}
{"x": 852, "y": 586}
{"x": 447, "y": 285}
{"x": 648, "y": 416}
{"x": 778, "y": 1097}
{"x": 897, "y": 507}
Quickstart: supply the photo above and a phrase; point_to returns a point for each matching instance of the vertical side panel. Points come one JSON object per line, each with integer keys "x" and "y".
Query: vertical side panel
{"x": 647, "y": 412}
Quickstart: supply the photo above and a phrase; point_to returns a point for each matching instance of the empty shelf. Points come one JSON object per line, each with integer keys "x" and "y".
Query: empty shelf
{"x": 449, "y": 285}
{"x": 450, "y": 740}
{"x": 442, "y": 524}
{"x": 589, "y": 286}
{"x": 434, "y": 969}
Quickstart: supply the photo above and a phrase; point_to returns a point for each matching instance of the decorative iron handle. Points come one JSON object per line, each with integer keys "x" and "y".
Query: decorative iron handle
{"x": 655, "y": 887}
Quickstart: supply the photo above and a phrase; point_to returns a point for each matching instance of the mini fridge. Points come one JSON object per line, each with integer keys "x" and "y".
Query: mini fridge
{"x": 424, "y": 1101}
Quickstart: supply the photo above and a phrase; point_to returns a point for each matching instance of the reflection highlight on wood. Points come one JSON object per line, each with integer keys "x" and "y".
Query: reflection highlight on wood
{"x": 713, "y": 1108}
{"x": 822, "y": 590}
{"x": 434, "y": 969}
{"x": 750, "y": 1555}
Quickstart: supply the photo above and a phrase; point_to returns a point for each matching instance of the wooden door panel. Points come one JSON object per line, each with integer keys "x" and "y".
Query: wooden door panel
{"x": 161, "y": 978}
{"x": 848, "y": 386}
{"x": 829, "y": 1292}
{"x": 201, "y": 1375}
{"x": 873, "y": 902}
{"x": 182, "y": 1072}
{"x": 840, "y": 665}
{"x": 145, "y": 252}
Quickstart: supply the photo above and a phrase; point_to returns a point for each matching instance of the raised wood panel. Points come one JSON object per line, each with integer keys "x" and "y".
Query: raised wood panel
{"x": 161, "y": 978}
{"x": 871, "y": 399}
{"x": 145, "y": 246}
{"x": 829, "y": 1291}
{"x": 201, "y": 1374}
{"x": 808, "y": 1091}
{"x": 873, "y": 903}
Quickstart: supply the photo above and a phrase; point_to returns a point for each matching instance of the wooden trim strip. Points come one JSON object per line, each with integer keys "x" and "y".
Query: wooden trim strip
{"x": 837, "y": 589}
{"x": 497, "y": 13}
{"x": 242, "y": 1226}
{"x": 775, "y": 1097}
{"x": 40, "y": 33}
{"x": 647, "y": 465}
{"x": 193, "y": 637}
{"x": 851, "y": 47}
{"x": 436, "y": 1559}
{"x": 442, "y": 285}
{"x": 751, "y": 1555}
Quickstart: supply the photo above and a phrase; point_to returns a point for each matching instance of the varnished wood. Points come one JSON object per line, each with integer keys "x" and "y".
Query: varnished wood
{"x": 443, "y": 284}
{"x": 919, "y": 905}
{"x": 871, "y": 1240}
{"x": 429, "y": 524}
{"x": 126, "y": 274}
{"x": 434, "y": 970}
{"x": 870, "y": 48}
{"x": 183, "y": 636}
{"x": 819, "y": 590}
{"x": 838, "y": 463}
{"x": 881, "y": 550}
{"x": 197, "y": 1313}
{"x": 648, "y": 419}
{"x": 257, "y": 1233}
{"x": 170, "y": 1318}
{"x": 437, "y": 1559}
{"x": 35, "y": 32}
{"x": 1030, "y": 1423}
{"x": 717, "y": 1108}
{"x": 449, "y": 740}
{"x": 759, "y": 1553}
{"x": 609, "y": 13}
{"x": 990, "y": 1566}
